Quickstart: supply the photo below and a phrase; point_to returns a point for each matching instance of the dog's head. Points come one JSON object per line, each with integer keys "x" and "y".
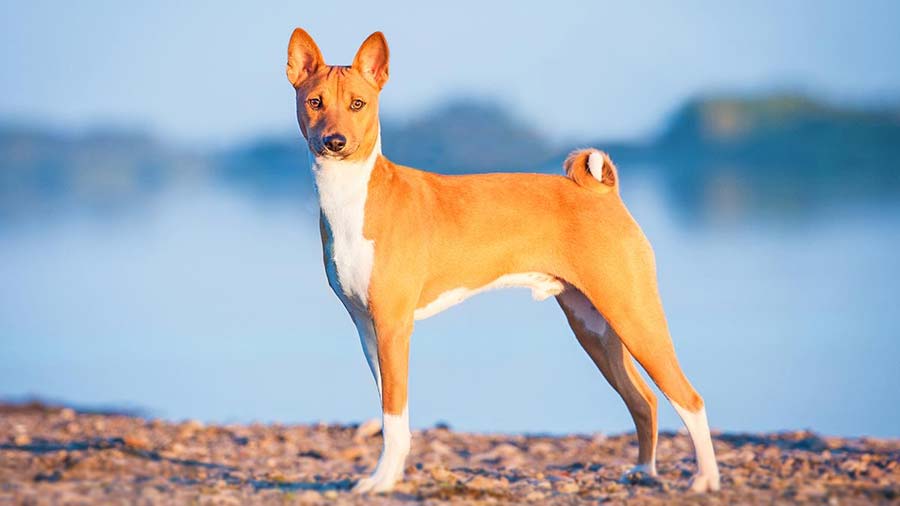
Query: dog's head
{"x": 337, "y": 106}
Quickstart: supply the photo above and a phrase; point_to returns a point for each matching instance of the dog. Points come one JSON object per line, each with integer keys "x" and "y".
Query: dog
{"x": 401, "y": 244}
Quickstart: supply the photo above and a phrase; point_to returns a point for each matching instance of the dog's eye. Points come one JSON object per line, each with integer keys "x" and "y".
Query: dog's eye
{"x": 357, "y": 104}
{"x": 314, "y": 103}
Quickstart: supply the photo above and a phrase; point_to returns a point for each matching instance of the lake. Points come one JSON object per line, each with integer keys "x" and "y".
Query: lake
{"x": 207, "y": 304}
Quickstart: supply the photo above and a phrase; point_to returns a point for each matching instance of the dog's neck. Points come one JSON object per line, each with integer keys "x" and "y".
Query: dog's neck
{"x": 339, "y": 182}
{"x": 343, "y": 188}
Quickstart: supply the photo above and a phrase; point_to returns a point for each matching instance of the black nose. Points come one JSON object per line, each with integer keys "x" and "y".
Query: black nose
{"x": 334, "y": 142}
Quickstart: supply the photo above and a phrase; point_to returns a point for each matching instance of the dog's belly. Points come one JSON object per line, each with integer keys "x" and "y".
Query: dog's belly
{"x": 542, "y": 286}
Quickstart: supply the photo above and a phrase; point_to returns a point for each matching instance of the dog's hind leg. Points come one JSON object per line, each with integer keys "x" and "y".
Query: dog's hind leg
{"x": 623, "y": 288}
{"x": 614, "y": 361}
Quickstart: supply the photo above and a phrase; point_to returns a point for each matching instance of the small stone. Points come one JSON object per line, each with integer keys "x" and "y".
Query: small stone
{"x": 368, "y": 429}
{"x": 442, "y": 474}
{"x": 330, "y": 494}
{"x": 541, "y": 448}
{"x": 137, "y": 442}
{"x": 189, "y": 428}
{"x": 567, "y": 487}
{"x": 309, "y": 497}
{"x": 439, "y": 448}
{"x": 352, "y": 453}
{"x": 535, "y": 495}
{"x": 405, "y": 487}
{"x": 22, "y": 440}
{"x": 484, "y": 483}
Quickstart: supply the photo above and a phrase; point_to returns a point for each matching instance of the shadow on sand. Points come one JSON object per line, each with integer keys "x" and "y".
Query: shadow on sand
{"x": 47, "y": 446}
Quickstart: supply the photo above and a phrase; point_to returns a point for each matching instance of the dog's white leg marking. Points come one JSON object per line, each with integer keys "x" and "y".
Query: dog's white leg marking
{"x": 648, "y": 469}
{"x": 395, "y": 430}
{"x": 707, "y": 477}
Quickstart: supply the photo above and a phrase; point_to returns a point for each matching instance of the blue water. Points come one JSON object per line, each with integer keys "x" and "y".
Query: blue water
{"x": 207, "y": 305}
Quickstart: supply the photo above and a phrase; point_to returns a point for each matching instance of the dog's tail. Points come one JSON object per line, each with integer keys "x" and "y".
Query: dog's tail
{"x": 592, "y": 169}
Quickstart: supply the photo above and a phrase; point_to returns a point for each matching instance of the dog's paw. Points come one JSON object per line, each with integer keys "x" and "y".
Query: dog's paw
{"x": 705, "y": 483}
{"x": 372, "y": 484}
{"x": 640, "y": 474}
{"x": 382, "y": 480}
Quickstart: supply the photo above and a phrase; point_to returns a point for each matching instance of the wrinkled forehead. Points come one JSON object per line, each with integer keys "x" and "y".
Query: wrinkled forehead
{"x": 337, "y": 79}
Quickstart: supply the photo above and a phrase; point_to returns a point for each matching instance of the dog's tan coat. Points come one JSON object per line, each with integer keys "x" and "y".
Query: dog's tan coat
{"x": 433, "y": 234}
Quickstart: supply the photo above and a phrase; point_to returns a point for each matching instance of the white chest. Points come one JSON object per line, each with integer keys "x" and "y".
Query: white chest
{"x": 343, "y": 189}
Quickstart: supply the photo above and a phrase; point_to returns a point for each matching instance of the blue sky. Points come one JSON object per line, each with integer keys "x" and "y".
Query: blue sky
{"x": 213, "y": 72}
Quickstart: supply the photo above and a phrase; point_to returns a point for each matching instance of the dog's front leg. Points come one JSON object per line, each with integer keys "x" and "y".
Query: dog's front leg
{"x": 393, "y": 363}
{"x": 366, "y": 329}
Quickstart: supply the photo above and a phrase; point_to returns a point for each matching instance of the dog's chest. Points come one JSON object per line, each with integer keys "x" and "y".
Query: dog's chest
{"x": 349, "y": 256}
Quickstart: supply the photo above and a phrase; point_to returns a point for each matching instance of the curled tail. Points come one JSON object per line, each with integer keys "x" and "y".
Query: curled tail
{"x": 592, "y": 169}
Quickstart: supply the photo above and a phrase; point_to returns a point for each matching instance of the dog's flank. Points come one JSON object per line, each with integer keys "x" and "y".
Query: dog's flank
{"x": 400, "y": 244}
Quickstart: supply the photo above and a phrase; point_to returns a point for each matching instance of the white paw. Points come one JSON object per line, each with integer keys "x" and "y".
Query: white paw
{"x": 705, "y": 483}
{"x": 373, "y": 484}
{"x": 387, "y": 474}
{"x": 641, "y": 474}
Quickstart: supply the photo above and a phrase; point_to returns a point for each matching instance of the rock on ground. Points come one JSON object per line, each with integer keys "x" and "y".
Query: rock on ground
{"x": 58, "y": 456}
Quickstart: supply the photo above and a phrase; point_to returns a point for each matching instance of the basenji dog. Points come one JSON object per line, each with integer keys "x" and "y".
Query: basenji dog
{"x": 401, "y": 244}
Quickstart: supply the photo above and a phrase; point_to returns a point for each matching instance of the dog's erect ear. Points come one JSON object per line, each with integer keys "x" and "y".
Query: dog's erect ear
{"x": 372, "y": 59}
{"x": 304, "y": 57}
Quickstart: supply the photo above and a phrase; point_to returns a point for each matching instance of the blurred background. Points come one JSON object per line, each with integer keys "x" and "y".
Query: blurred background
{"x": 159, "y": 248}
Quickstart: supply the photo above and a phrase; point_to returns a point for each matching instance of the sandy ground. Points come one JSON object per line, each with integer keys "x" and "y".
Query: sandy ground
{"x": 58, "y": 456}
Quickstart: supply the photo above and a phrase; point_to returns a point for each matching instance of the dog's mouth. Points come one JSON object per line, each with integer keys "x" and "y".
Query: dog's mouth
{"x": 324, "y": 153}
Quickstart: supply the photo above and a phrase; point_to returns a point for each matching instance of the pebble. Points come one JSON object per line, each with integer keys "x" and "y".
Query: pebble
{"x": 480, "y": 482}
{"x": 309, "y": 497}
{"x": 566, "y": 487}
{"x": 535, "y": 495}
{"x": 137, "y": 441}
{"x": 441, "y": 474}
{"x": 368, "y": 429}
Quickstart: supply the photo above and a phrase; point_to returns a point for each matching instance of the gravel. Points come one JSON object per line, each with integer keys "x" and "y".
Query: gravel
{"x": 58, "y": 456}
